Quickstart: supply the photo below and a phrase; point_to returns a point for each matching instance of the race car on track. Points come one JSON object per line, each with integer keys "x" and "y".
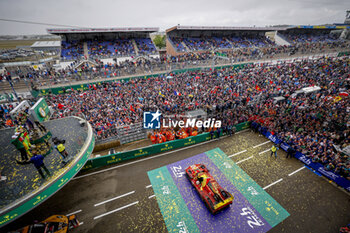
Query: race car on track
{"x": 214, "y": 196}
{"x": 53, "y": 224}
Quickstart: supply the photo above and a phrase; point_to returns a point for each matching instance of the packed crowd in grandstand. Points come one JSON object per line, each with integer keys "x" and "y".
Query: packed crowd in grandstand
{"x": 313, "y": 123}
{"x": 234, "y": 95}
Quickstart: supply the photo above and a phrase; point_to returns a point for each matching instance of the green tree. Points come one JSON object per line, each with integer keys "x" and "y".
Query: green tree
{"x": 159, "y": 41}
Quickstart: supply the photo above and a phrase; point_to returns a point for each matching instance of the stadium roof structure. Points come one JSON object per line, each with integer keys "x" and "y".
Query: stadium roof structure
{"x": 60, "y": 31}
{"x": 224, "y": 28}
{"x": 321, "y": 26}
{"x": 46, "y": 44}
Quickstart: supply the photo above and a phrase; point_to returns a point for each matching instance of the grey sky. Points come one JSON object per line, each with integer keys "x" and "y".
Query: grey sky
{"x": 167, "y": 13}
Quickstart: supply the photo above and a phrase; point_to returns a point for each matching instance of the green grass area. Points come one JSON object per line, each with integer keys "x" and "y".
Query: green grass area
{"x": 12, "y": 44}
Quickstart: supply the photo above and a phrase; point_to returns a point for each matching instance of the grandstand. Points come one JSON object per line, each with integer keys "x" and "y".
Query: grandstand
{"x": 99, "y": 43}
{"x": 181, "y": 39}
{"x": 309, "y": 34}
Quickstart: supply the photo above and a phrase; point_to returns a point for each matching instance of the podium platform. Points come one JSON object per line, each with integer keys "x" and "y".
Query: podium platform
{"x": 24, "y": 188}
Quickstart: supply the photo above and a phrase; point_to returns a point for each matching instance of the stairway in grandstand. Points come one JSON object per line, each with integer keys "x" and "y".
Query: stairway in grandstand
{"x": 230, "y": 42}
{"x": 135, "y": 46}
{"x": 184, "y": 45}
{"x": 83, "y": 62}
{"x": 271, "y": 35}
{"x": 86, "y": 50}
{"x": 19, "y": 85}
{"x": 280, "y": 40}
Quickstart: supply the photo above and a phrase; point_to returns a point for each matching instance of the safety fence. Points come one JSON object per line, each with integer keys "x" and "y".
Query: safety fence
{"x": 341, "y": 181}
{"x": 153, "y": 149}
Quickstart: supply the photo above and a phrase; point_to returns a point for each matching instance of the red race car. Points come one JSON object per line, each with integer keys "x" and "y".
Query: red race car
{"x": 213, "y": 195}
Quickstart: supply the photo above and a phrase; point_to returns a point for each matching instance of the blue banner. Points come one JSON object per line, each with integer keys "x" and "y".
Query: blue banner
{"x": 341, "y": 181}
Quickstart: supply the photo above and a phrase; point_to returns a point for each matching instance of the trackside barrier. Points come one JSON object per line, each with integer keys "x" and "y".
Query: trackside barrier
{"x": 154, "y": 149}
{"x": 339, "y": 180}
{"x": 83, "y": 87}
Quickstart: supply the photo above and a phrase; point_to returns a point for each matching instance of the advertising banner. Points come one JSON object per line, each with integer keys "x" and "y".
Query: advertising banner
{"x": 40, "y": 111}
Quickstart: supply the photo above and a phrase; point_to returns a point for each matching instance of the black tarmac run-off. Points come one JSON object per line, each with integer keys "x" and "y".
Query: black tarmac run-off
{"x": 314, "y": 204}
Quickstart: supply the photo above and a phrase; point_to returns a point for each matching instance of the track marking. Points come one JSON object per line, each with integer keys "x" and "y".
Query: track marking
{"x": 75, "y": 212}
{"x": 262, "y": 152}
{"x": 144, "y": 159}
{"x": 151, "y": 196}
{"x": 296, "y": 171}
{"x": 241, "y": 131}
{"x": 148, "y": 186}
{"x": 261, "y": 144}
{"x": 237, "y": 153}
{"x": 268, "y": 186}
{"x": 114, "y": 198}
{"x": 244, "y": 159}
{"x": 113, "y": 211}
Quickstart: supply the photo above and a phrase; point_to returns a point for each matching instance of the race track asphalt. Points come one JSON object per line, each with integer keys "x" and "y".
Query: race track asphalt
{"x": 314, "y": 204}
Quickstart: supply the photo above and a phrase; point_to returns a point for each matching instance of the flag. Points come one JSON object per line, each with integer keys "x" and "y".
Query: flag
{"x": 257, "y": 88}
{"x": 160, "y": 93}
{"x": 177, "y": 93}
{"x": 132, "y": 108}
{"x": 337, "y": 99}
{"x": 343, "y": 93}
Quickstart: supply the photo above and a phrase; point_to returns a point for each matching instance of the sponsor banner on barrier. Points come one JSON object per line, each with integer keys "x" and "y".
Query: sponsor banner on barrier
{"x": 341, "y": 181}
{"x": 154, "y": 149}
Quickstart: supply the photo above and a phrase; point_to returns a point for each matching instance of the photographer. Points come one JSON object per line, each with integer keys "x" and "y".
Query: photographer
{"x": 60, "y": 147}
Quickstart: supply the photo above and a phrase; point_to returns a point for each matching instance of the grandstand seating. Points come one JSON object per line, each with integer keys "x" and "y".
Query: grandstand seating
{"x": 117, "y": 47}
{"x": 208, "y": 43}
{"x": 145, "y": 46}
{"x": 178, "y": 43}
{"x": 295, "y": 38}
{"x": 72, "y": 50}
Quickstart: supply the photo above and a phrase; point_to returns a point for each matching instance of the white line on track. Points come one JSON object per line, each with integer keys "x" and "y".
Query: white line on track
{"x": 237, "y": 153}
{"x": 261, "y": 144}
{"x": 114, "y": 198}
{"x": 81, "y": 223}
{"x": 296, "y": 171}
{"x": 262, "y": 152}
{"x": 113, "y": 211}
{"x": 151, "y": 196}
{"x": 244, "y": 159}
{"x": 144, "y": 159}
{"x": 242, "y": 131}
{"x": 75, "y": 212}
{"x": 148, "y": 186}
{"x": 268, "y": 186}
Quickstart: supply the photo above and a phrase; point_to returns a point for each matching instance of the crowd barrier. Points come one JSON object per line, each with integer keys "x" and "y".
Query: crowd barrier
{"x": 83, "y": 87}
{"x": 341, "y": 181}
{"x": 154, "y": 149}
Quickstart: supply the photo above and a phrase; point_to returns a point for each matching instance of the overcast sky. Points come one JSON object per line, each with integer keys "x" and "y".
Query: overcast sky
{"x": 167, "y": 13}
